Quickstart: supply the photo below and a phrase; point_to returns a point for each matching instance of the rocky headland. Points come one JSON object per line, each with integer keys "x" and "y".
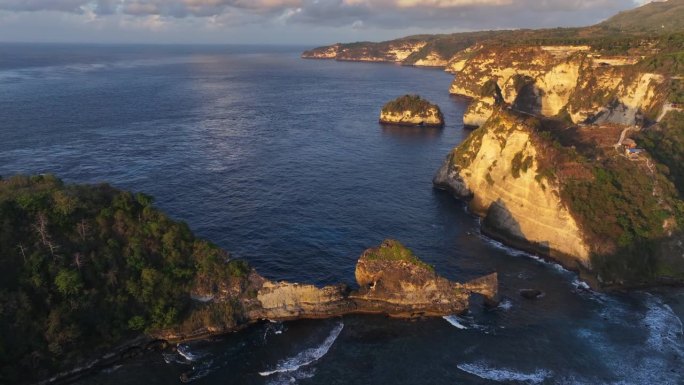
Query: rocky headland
{"x": 93, "y": 275}
{"x": 576, "y": 149}
{"x": 411, "y": 110}
{"x": 390, "y": 279}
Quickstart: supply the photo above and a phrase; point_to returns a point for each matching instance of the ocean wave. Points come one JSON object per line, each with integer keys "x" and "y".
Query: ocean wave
{"x": 185, "y": 352}
{"x": 664, "y": 327}
{"x": 308, "y": 356}
{"x": 487, "y": 372}
{"x": 292, "y": 377}
{"x": 657, "y": 360}
{"x": 519, "y": 253}
{"x": 455, "y": 321}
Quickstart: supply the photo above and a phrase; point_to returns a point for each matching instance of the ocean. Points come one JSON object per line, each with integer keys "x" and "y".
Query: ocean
{"x": 281, "y": 161}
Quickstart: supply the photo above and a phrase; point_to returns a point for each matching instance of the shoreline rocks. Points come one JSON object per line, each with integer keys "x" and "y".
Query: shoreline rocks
{"x": 391, "y": 280}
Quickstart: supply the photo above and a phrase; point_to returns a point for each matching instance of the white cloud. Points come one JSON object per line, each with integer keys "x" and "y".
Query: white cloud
{"x": 359, "y": 16}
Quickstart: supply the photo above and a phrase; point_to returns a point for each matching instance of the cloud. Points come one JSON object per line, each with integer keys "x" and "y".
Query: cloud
{"x": 353, "y": 15}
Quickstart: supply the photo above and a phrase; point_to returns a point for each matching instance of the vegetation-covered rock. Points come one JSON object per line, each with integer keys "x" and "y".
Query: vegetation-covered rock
{"x": 87, "y": 267}
{"x": 90, "y": 272}
{"x": 551, "y": 189}
{"x": 412, "y": 110}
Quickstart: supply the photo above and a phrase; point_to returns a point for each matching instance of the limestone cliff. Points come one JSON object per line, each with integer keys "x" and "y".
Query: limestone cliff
{"x": 391, "y": 281}
{"x": 550, "y": 80}
{"x": 392, "y": 51}
{"x": 566, "y": 193}
{"x": 411, "y": 110}
{"x": 497, "y": 169}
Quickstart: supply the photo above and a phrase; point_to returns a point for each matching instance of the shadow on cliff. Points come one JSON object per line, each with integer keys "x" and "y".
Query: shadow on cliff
{"x": 529, "y": 99}
{"x": 500, "y": 224}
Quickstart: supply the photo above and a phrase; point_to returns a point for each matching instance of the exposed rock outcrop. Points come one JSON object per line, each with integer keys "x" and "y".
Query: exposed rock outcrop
{"x": 411, "y": 110}
{"x": 549, "y": 80}
{"x": 567, "y": 194}
{"x": 496, "y": 169}
{"x": 393, "y": 51}
{"x": 392, "y": 281}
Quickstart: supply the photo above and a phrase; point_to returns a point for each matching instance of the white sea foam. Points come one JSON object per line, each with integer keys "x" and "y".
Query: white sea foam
{"x": 455, "y": 321}
{"x": 487, "y": 372}
{"x": 308, "y": 356}
{"x": 184, "y": 350}
{"x": 653, "y": 362}
{"x": 292, "y": 377}
{"x": 577, "y": 283}
{"x": 664, "y": 327}
{"x": 506, "y": 304}
{"x": 519, "y": 253}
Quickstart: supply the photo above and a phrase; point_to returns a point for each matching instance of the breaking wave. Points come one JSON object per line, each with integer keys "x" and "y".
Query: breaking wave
{"x": 486, "y": 372}
{"x": 455, "y": 321}
{"x": 185, "y": 352}
{"x": 308, "y": 356}
{"x": 519, "y": 253}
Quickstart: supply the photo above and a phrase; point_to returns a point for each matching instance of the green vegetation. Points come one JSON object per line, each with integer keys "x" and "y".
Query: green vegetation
{"x": 623, "y": 217}
{"x": 392, "y": 250}
{"x": 666, "y": 145}
{"x": 464, "y": 154}
{"x": 414, "y": 103}
{"x": 652, "y": 17}
{"x": 519, "y": 163}
{"x": 87, "y": 267}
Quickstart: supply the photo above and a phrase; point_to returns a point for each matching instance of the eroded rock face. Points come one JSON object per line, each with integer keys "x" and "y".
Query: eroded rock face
{"x": 393, "y": 51}
{"x": 496, "y": 169}
{"x": 284, "y": 300}
{"x": 550, "y": 79}
{"x": 392, "y": 281}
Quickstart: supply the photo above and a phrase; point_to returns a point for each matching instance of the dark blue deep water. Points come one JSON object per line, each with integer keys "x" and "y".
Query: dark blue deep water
{"x": 281, "y": 161}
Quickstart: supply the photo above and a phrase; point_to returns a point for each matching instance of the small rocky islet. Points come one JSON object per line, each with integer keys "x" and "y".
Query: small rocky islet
{"x": 411, "y": 110}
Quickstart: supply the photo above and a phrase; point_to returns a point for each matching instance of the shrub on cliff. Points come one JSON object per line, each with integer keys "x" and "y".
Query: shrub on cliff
{"x": 414, "y": 103}
{"x": 666, "y": 145}
{"x": 85, "y": 267}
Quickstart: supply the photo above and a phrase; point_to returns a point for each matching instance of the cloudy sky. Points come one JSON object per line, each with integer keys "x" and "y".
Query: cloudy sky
{"x": 282, "y": 21}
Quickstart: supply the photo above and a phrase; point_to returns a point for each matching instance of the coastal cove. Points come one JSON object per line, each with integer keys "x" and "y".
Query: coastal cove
{"x": 281, "y": 162}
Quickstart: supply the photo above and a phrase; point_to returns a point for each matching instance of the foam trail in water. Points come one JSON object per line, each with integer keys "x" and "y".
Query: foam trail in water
{"x": 292, "y": 377}
{"x": 455, "y": 321}
{"x": 665, "y": 328}
{"x": 520, "y": 253}
{"x": 184, "y": 350}
{"x": 505, "y": 375}
{"x": 307, "y": 356}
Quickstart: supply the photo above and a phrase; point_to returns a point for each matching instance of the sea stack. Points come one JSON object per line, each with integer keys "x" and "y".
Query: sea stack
{"x": 411, "y": 110}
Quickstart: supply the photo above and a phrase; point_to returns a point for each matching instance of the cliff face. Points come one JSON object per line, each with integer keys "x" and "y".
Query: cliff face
{"x": 548, "y": 80}
{"x": 391, "y": 281}
{"x": 393, "y": 52}
{"x": 566, "y": 193}
{"x": 497, "y": 169}
{"x": 432, "y": 117}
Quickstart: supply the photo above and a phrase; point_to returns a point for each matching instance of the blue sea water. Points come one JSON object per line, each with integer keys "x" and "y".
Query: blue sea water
{"x": 281, "y": 161}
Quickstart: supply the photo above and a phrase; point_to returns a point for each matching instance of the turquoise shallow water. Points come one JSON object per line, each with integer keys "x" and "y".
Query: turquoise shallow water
{"x": 282, "y": 162}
